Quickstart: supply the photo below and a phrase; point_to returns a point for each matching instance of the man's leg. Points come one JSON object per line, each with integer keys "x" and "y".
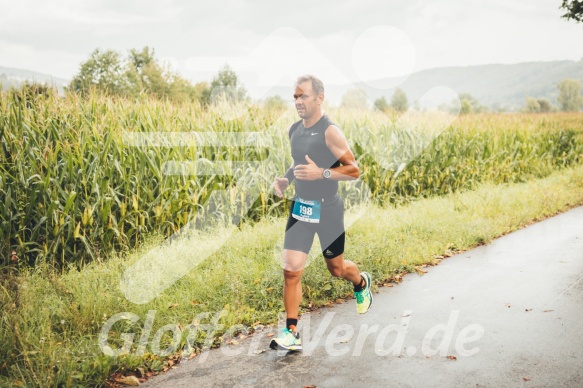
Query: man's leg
{"x": 293, "y": 266}
{"x": 297, "y": 242}
{"x": 344, "y": 269}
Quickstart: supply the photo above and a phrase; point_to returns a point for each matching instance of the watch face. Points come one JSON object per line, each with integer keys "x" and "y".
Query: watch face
{"x": 327, "y": 173}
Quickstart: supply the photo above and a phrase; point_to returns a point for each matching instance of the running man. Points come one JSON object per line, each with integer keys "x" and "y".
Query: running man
{"x": 321, "y": 158}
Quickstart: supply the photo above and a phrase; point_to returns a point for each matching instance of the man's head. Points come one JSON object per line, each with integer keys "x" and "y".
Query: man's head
{"x": 308, "y": 96}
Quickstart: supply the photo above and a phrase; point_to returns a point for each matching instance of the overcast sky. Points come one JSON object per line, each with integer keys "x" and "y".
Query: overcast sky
{"x": 271, "y": 42}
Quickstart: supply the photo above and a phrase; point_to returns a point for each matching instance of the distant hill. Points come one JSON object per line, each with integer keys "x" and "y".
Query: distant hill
{"x": 496, "y": 86}
{"x": 10, "y": 77}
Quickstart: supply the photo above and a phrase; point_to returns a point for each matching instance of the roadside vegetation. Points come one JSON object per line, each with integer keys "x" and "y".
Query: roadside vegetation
{"x": 80, "y": 204}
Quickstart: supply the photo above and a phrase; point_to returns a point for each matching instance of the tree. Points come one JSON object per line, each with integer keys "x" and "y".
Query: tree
{"x": 399, "y": 101}
{"x": 466, "y": 104}
{"x": 202, "y": 92}
{"x": 140, "y": 72}
{"x": 544, "y": 105}
{"x": 532, "y": 105}
{"x": 102, "y": 71}
{"x": 381, "y": 104}
{"x": 570, "y": 99}
{"x": 226, "y": 85}
{"x": 146, "y": 75}
{"x": 354, "y": 99}
{"x": 466, "y": 107}
{"x": 469, "y": 104}
{"x": 540, "y": 105}
{"x": 574, "y": 10}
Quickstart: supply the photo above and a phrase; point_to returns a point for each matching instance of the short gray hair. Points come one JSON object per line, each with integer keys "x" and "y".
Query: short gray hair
{"x": 317, "y": 85}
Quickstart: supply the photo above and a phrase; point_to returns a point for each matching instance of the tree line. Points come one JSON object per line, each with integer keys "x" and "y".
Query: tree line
{"x": 569, "y": 100}
{"x": 141, "y": 73}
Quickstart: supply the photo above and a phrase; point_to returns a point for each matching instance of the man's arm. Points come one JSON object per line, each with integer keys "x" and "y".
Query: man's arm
{"x": 337, "y": 144}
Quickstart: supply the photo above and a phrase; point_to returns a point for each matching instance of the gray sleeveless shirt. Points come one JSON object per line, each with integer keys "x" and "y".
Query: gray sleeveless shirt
{"x": 312, "y": 142}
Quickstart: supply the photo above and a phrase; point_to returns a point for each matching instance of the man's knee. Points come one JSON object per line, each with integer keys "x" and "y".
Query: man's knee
{"x": 293, "y": 261}
{"x": 292, "y": 276}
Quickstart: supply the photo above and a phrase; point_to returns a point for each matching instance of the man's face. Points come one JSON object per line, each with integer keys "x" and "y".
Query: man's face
{"x": 307, "y": 103}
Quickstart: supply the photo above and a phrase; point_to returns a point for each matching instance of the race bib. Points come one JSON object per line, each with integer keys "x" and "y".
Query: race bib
{"x": 307, "y": 211}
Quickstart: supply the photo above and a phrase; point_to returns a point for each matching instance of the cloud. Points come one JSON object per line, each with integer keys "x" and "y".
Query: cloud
{"x": 56, "y": 36}
{"x": 276, "y": 60}
{"x": 57, "y": 63}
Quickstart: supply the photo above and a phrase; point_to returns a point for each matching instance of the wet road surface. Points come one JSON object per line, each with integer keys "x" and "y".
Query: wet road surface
{"x": 506, "y": 314}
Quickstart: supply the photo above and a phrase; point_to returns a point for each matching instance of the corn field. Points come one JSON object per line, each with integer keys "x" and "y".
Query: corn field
{"x": 73, "y": 188}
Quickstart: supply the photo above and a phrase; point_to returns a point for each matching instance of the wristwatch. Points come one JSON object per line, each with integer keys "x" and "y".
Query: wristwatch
{"x": 326, "y": 174}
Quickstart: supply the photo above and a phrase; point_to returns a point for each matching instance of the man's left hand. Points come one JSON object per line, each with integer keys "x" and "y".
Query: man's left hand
{"x": 308, "y": 172}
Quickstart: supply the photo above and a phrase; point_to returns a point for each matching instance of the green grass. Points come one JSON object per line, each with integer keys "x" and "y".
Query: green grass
{"x": 50, "y": 321}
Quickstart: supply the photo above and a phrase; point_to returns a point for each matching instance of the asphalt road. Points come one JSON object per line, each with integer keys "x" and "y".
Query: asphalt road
{"x": 508, "y": 314}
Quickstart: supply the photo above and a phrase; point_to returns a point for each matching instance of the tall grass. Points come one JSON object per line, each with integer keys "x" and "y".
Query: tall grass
{"x": 72, "y": 191}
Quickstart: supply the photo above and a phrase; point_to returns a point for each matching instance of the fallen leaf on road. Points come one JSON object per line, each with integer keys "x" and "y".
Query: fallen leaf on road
{"x": 547, "y": 311}
{"x": 420, "y": 270}
{"x": 526, "y": 378}
{"x": 452, "y": 357}
{"x": 528, "y": 310}
{"x": 259, "y": 351}
{"x": 269, "y": 335}
{"x": 129, "y": 380}
{"x": 309, "y": 386}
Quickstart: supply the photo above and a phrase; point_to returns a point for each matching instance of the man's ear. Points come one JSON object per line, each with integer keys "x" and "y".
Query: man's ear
{"x": 320, "y": 98}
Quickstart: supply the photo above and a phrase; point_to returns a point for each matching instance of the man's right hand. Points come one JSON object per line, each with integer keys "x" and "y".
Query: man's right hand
{"x": 280, "y": 185}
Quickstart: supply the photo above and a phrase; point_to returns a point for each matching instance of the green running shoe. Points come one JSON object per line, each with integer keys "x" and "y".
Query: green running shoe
{"x": 364, "y": 297}
{"x": 287, "y": 340}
